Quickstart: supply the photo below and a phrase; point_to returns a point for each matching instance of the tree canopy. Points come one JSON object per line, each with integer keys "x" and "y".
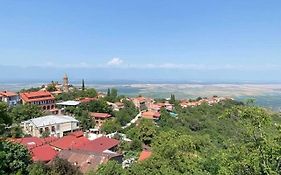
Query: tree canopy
{"x": 14, "y": 158}
{"x": 226, "y": 138}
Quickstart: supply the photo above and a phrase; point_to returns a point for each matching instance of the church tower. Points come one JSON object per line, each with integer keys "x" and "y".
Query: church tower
{"x": 65, "y": 86}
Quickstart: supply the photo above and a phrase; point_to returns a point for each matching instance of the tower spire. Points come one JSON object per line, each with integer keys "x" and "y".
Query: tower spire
{"x": 65, "y": 83}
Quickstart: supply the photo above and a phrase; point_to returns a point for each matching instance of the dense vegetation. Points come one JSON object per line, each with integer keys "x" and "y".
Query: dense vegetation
{"x": 75, "y": 93}
{"x": 227, "y": 138}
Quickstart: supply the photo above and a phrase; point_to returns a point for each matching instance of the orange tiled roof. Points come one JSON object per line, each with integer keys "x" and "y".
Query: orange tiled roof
{"x": 8, "y": 94}
{"x": 145, "y": 155}
{"x": 36, "y": 96}
{"x": 100, "y": 115}
{"x": 99, "y": 145}
{"x": 140, "y": 99}
{"x": 70, "y": 142}
{"x": 151, "y": 115}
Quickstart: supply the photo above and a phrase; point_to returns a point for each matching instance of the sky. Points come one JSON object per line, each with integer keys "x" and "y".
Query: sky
{"x": 141, "y": 40}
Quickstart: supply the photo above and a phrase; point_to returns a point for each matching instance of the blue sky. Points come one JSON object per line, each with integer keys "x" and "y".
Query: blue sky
{"x": 189, "y": 40}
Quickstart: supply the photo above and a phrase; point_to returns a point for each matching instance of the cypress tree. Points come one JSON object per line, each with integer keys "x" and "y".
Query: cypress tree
{"x": 83, "y": 85}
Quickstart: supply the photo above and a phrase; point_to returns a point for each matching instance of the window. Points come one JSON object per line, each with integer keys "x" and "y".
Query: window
{"x": 47, "y": 129}
{"x": 41, "y": 130}
{"x": 53, "y": 129}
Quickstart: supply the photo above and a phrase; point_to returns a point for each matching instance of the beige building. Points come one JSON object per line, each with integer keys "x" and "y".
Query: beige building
{"x": 56, "y": 125}
{"x": 100, "y": 118}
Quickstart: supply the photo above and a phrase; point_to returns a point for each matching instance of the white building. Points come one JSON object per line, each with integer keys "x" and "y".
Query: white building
{"x": 56, "y": 125}
{"x": 68, "y": 103}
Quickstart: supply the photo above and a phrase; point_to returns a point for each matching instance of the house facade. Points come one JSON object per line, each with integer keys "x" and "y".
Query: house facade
{"x": 56, "y": 125}
{"x": 44, "y": 99}
{"x": 11, "y": 98}
{"x": 142, "y": 103}
{"x": 99, "y": 118}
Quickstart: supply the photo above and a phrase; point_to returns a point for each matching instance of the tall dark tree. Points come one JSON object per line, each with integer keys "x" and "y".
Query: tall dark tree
{"x": 108, "y": 92}
{"x": 83, "y": 85}
{"x": 173, "y": 99}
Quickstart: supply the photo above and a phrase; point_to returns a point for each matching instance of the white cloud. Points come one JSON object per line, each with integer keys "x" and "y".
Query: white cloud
{"x": 119, "y": 63}
{"x": 115, "y": 61}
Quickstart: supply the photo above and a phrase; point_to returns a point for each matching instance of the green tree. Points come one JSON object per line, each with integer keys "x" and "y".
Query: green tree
{"x": 32, "y": 89}
{"x": 45, "y": 134}
{"x": 38, "y": 168}
{"x": 75, "y": 94}
{"x": 136, "y": 145}
{"x": 5, "y": 118}
{"x": 86, "y": 122}
{"x": 63, "y": 167}
{"x": 147, "y": 131}
{"x": 112, "y": 168}
{"x": 16, "y": 131}
{"x": 173, "y": 99}
{"x": 111, "y": 126}
{"x": 14, "y": 158}
{"x": 255, "y": 152}
{"x": 51, "y": 87}
{"x": 91, "y": 92}
{"x": 97, "y": 106}
{"x": 112, "y": 95}
{"x": 108, "y": 92}
{"x": 83, "y": 85}
{"x": 25, "y": 112}
{"x": 126, "y": 114}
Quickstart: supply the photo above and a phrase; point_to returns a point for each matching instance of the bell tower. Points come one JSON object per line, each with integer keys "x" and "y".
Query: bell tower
{"x": 65, "y": 86}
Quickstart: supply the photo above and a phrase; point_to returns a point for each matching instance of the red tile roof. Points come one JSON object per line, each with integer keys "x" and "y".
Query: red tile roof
{"x": 100, "y": 144}
{"x": 100, "y": 115}
{"x": 140, "y": 99}
{"x": 8, "y": 94}
{"x": 36, "y": 96}
{"x": 86, "y": 160}
{"x": 49, "y": 139}
{"x": 43, "y": 153}
{"x": 151, "y": 115}
{"x": 38, "y": 148}
{"x": 70, "y": 142}
{"x": 77, "y": 133}
{"x": 30, "y": 142}
{"x": 87, "y": 100}
{"x": 145, "y": 155}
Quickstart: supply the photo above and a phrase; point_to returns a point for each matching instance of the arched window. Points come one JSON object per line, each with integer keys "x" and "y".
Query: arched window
{"x": 53, "y": 129}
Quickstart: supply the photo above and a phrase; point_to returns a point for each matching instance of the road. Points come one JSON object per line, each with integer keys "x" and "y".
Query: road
{"x": 133, "y": 121}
